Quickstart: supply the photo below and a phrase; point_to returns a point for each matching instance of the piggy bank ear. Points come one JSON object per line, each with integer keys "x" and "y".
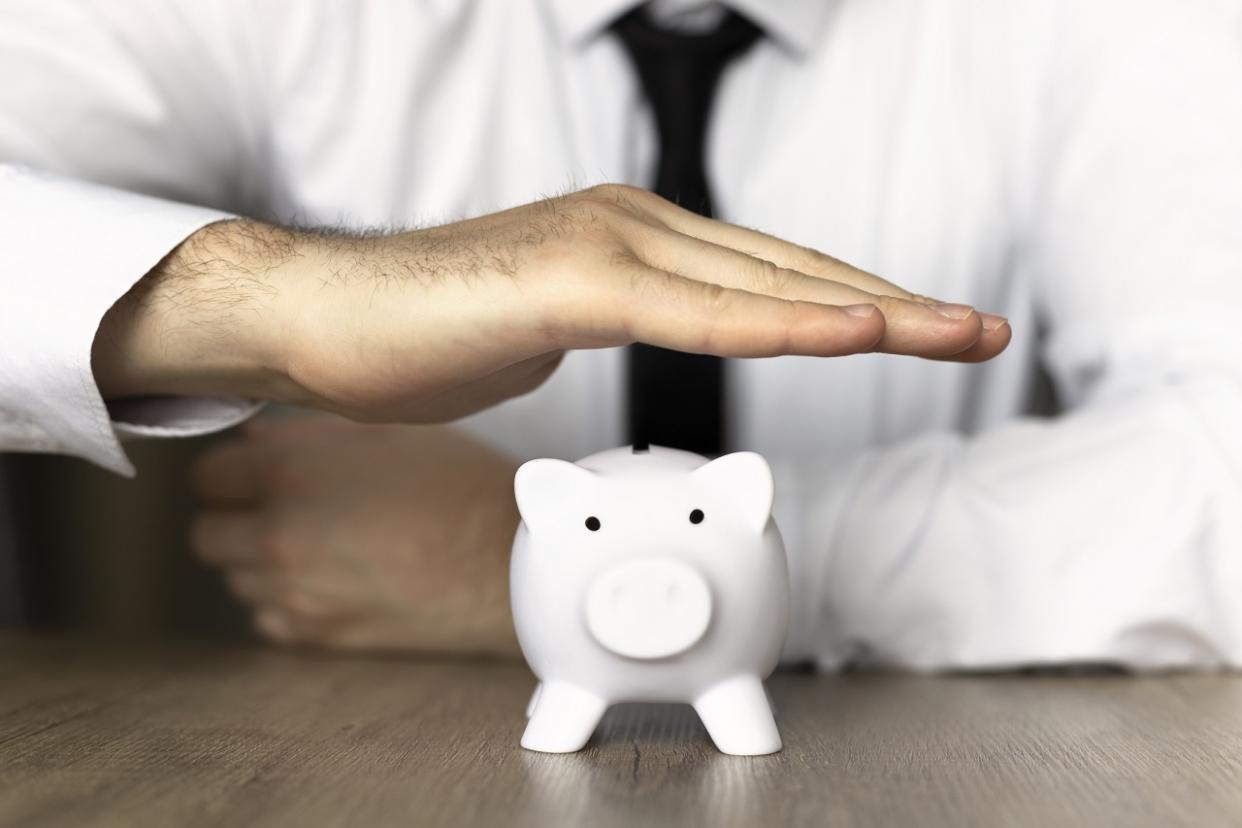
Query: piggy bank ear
{"x": 746, "y": 480}
{"x": 542, "y": 487}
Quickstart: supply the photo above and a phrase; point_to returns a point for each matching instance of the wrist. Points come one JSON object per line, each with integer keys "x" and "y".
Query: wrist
{"x": 209, "y": 319}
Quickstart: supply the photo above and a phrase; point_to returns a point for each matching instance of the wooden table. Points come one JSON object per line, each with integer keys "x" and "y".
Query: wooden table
{"x": 103, "y": 734}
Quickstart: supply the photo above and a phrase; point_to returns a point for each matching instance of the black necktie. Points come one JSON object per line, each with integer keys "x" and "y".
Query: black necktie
{"x": 677, "y": 399}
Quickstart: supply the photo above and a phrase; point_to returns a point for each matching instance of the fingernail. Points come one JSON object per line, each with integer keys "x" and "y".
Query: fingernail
{"x": 953, "y": 311}
{"x": 861, "y": 310}
{"x": 992, "y": 321}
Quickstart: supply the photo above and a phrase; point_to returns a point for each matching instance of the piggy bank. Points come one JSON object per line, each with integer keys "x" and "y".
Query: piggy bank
{"x": 649, "y": 575}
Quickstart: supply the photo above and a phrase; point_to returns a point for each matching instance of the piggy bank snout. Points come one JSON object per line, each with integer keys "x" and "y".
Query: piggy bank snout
{"x": 648, "y": 608}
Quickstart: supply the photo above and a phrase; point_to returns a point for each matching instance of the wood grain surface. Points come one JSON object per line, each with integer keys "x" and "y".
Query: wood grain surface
{"x": 193, "y": 734}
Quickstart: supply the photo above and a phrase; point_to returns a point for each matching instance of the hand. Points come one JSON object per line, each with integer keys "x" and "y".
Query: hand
{"x": 433, "y": 324}
{"x": 373, "y": 537}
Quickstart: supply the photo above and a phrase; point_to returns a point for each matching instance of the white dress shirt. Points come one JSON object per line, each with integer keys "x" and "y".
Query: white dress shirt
{"x": 1074, "y": 165}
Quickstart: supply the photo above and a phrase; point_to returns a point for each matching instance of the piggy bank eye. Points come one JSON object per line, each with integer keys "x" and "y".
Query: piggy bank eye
{"x": 592, "y": 523}
{"x": 696, "y": 516}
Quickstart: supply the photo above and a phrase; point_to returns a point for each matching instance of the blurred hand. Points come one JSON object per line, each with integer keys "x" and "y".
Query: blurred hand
{"x": 372, "y": 537}
{"x": 433, "y": 324}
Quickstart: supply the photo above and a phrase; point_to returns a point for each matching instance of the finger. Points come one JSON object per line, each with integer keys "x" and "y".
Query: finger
{"x": 254, "y": 587}
{"x": 994, "y": 339}
{"x": 228, "y": 538}
{"x": 778, "y": 251}
{"x": 229, "y": 473}
{"x": 935, "y": 331}
{"x": 287, "y": 627}
{"x": 995, "y": 335}
{"x": 274, "y": 625}
{"x": 646, "y": 304}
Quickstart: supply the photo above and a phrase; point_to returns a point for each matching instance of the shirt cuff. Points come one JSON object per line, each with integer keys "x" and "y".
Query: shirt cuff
{"x": 68, "y": 251}
{"x": 179, "y": 416}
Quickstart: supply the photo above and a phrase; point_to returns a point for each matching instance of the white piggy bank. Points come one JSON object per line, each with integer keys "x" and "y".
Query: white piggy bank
{"x": 649, "y": 575}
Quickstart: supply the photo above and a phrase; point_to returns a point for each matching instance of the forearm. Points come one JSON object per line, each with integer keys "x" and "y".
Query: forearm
{"x": 434, "y": 324}
{"x": 1108, "y": 535}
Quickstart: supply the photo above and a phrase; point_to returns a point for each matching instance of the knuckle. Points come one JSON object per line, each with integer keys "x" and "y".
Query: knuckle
{"x": 634, "y": 238}
{"x": 810, "y": 260}
{"x": 624, "y": 198}
{"x": 716, "y": 298}
{"x": 609, "y": 230}
{"x": 600, "y": 196}
{"x": 597, "y": 212}
{"x": 771, "y": 279}
{"x": 600, "y": 190}
{"x": 579, "y": 226}
{"x": 612, "y": 191}
{"x": 890, "y": 306}
{"x": 716, "y": 301}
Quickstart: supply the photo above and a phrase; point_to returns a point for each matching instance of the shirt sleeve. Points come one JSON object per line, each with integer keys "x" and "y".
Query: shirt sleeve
{"x": 128, "y": 131}
{"x": 1113, "y": 532}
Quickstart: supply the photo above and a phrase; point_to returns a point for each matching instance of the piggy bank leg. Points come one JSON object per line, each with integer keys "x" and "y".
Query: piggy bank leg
{"x": 564, "y": 718}
{"x": 534, "y": 700}
{"x": 738, "y": 718}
